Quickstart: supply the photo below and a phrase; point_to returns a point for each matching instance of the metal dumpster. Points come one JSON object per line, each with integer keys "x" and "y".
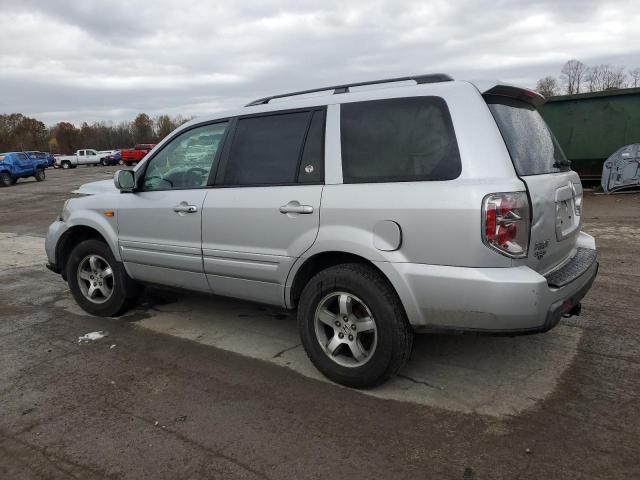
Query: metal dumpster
{"x": 592, "y": 126}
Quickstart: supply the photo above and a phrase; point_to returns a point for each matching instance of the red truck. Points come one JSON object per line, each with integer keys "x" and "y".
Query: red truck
{"x": 131, "y": 156}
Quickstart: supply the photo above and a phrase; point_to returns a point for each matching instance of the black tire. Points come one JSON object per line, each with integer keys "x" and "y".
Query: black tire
{"x": 65, "y": 165}
{"x": 125, "y": 290}
{"x": 103, "y": 162}
{"x": 6, "y": 180}
{"x": 394, "y": 334}
{"x": 14, "y": 181}
{"x": 128, "y": 164}
{"x": 40, "y": 175}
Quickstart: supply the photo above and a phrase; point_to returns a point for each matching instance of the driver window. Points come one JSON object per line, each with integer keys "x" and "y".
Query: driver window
{"x": 186, "y": 161}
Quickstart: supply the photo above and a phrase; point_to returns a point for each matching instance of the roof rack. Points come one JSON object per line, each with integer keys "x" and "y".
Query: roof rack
{"x": 430, "y": 78}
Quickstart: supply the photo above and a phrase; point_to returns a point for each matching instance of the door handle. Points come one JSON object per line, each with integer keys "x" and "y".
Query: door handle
{"x": 184, "y": 208}
{"x": 295, "y": 207}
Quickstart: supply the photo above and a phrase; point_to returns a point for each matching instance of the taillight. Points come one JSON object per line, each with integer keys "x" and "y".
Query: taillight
{"x": 506, "y": 223}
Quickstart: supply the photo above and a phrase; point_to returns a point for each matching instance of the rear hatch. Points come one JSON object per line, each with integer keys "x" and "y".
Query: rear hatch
{"x": 555, "y": 191}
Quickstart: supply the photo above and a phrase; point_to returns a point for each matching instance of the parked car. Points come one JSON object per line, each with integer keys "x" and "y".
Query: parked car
{"x": 131, "y": 156}
{"x": 16, "y": 165}
{"x": 47, "y": 159}
{"x": 86, "y": 156}
{"x": 440, "y": 206}
{"x": 109, "y": 157}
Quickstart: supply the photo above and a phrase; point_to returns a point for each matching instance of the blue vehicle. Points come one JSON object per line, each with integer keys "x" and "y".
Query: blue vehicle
{"x": 15, "y": 165}
{"x": 47, "y": 159}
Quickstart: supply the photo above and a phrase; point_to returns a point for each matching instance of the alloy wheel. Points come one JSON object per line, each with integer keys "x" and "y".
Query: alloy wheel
{"x": 345, "y": 329}
{"x": 95, "y": 278}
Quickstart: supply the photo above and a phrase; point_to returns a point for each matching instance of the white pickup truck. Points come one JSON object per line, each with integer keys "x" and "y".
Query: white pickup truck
{"x": 86, "y": 156}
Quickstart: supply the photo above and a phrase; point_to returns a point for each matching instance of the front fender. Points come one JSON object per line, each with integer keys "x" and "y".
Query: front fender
{"x": 95, "y": 219}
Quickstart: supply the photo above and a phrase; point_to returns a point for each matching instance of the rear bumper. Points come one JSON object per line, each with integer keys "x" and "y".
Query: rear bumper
{"x": 515, "y": 300}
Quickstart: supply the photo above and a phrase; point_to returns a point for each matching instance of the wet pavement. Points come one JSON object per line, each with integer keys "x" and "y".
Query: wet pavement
{"x": 189, "y": 386}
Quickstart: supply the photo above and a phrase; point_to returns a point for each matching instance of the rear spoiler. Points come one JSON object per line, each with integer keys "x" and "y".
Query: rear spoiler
{"x": 511, "y": 91}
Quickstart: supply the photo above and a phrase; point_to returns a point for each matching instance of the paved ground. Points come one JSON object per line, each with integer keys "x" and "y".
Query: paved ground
{"x": 192, "y": 387}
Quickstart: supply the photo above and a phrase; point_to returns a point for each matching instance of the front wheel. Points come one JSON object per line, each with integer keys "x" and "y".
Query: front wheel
{"x": 66, "y": 165}
{"x": 353, "y": 326}
{"x": 99, "y": 283}
{"x": 40, "y": 175}
{"x": 6, "y": 180}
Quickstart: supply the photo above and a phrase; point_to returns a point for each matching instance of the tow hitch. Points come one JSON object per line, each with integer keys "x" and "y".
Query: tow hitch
{"x": 574, "y": 311}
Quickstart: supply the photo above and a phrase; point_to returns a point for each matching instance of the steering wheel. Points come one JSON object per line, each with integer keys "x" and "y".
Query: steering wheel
{"x": 151, "y": 177}
{"x": 194, "y": 176}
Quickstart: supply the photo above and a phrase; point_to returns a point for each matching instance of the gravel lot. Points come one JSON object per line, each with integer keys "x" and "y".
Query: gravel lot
{"x": 190, "y": 386}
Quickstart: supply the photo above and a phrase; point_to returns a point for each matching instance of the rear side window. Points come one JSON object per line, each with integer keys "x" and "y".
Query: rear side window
{"x": 267, "y": 150}
{"x": 533, "y": 148}
{"x": 398, "y": 140}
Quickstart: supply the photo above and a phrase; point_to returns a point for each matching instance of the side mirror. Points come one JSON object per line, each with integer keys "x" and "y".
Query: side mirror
{"x": 124, "y": 180}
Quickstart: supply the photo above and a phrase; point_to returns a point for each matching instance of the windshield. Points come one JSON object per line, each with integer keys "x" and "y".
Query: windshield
{"x": 533, "y": 148}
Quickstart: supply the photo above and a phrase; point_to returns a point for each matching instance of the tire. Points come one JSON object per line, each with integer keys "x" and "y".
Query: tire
{"x": 389, "y": 339}
{"x": 128, "y": 164}
{"x": 6, "y": 180}
{"x": 103, "y": 162}
{"x": 123, "y": 290}
{"x": 40, "y": 175}
{"x": 65, "y": 165}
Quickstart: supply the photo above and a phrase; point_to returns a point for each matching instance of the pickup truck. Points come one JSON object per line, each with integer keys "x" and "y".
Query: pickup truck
{"x": 85, "y": 156}
{"x": 131, "y": 156}
{"x": 15, "y": 165}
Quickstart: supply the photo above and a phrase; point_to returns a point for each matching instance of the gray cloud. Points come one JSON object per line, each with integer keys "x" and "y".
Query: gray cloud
{"x": 92, "y": 60}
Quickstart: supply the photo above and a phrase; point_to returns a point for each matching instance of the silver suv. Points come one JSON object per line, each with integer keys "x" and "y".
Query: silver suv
{"x": 376, "y": 210}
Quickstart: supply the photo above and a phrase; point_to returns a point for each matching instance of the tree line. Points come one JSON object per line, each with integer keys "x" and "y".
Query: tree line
{"x": 577, "y": 77}
{"x": 19, "y": 132}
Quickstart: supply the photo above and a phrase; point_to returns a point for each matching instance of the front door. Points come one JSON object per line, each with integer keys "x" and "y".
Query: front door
{"x": 265, "y": 210}
{"x": 159, "y": 227}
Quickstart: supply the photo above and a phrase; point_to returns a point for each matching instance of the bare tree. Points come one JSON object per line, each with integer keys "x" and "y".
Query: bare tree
{"x": 605, "y": 77}
{"x": 547, "y": 86}
{"x": 634, "y": 77}
{"x": 573, "y": 75}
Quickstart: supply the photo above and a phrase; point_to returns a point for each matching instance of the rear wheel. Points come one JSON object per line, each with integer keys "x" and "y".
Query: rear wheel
{"x": 98, "y": 282}
{"x": 353, "y": 326}
{"x": 103, "y": 162}
{"x": 40, "y": 175}
{"x": 6, "y": 180}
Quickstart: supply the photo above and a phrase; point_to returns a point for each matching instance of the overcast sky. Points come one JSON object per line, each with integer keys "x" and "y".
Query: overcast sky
{"x": 108, "y": 60}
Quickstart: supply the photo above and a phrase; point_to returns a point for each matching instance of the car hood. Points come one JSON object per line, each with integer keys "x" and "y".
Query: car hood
{"x": 93, "y": 188}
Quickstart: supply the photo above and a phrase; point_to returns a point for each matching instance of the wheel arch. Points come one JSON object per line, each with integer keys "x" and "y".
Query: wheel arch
{"x": 305, "y": 268}
{"x": 72, "y": 237}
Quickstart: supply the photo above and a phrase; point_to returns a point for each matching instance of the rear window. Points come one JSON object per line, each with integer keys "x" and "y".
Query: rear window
{"x": 398, "y": 140}
{"x": 533, "y": 148}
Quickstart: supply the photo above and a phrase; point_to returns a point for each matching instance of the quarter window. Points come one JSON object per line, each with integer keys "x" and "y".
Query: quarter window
{"x": 267, "y": 150}
{"x": 186, "y": 161}
{"x": 398, "y": 140}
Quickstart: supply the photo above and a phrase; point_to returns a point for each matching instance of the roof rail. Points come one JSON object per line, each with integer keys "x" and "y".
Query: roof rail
{"x": 430, "y": 78}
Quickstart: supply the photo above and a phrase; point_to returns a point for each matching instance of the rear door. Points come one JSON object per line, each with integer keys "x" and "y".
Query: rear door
{"x": 264, "y": 211}
{"x": 555, "y": 191}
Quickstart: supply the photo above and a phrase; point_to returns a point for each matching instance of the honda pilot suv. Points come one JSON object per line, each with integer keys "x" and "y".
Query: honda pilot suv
{"x": 376, "y": 210}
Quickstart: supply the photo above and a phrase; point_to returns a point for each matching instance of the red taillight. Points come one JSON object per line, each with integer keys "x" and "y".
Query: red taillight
{"x": 505, "y": 218}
